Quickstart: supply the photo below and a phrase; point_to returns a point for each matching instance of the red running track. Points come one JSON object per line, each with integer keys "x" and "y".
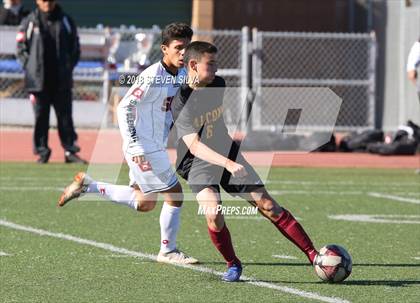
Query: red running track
{"x": 16, "y": 146}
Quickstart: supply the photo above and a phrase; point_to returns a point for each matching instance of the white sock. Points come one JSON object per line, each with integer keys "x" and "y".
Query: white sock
{"x": 169, "y": 226}
{"x": 120, "y": 194}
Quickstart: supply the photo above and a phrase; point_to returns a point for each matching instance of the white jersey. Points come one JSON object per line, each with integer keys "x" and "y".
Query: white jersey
{"x": 413, "y": 60}
{"x": 144, "y": 115}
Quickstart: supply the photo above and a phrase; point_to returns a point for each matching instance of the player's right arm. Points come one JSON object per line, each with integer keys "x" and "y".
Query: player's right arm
{"x": 127, "y": 113}
{"x": 202, "y": 151}
{"x": 413, "y": 62}
{"x": 188, "y": 131}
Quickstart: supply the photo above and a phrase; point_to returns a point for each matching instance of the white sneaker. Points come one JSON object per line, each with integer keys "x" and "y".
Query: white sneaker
{"x": 75, "y": 189}
{"x": 175, "y": 256}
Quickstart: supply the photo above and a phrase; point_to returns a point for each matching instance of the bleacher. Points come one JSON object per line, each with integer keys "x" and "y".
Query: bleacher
{"x": 90, "y": 69}
{"x": 105, "y": 54}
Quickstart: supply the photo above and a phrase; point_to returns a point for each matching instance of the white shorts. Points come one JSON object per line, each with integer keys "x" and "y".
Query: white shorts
{"x": 154, "y": 175}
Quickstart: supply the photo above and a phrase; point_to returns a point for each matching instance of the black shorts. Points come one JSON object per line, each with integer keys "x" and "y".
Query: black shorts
{"x": 215, "y": 177}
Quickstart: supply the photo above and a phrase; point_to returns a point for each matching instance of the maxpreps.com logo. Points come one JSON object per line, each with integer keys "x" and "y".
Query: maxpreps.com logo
{"x": 228, "y": 210}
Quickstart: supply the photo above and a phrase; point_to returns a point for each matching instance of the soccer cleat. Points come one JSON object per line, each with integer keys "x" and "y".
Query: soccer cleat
{"x": 233, "y": 273}
{"x": 70, "y": 157}
{"x": 312, "y": 255}
{"x": 75, "y": 189}
{"x": 175, "y": 256}
{"x": 43, "y": 158}
{"x": 316, "y": 260}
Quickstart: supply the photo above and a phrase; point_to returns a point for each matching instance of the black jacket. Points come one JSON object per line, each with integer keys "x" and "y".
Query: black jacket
{"x": 30, "y": 50}
{"x": 9, "y": 18}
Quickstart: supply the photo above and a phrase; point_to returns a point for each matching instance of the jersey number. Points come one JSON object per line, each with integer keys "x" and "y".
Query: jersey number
{"x": 145, "y": 166}
{"x": 166, "y": 106}
{"x": 209, "y": 131}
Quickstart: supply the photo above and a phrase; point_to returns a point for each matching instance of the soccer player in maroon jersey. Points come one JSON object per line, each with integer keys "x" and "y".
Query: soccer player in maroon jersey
{"x": 208, "y": 158}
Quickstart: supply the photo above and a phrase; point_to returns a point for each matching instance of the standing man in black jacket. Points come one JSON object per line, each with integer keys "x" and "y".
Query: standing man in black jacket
{"x": 48, "y": 48}
{"x": 12, "y": 12}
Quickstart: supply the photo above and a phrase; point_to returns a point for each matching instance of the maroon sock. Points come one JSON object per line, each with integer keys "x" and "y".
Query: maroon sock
{"x": 293, "y": 231}
{"x": 223, "y": 243}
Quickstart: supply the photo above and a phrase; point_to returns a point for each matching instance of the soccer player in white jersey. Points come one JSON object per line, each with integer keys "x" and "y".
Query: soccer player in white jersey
{"x": 144, "y": 119}
{"x": 413, "y": 64}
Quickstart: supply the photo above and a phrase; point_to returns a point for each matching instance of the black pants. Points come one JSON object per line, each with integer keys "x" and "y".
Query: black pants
{"x": 62, "y": 103}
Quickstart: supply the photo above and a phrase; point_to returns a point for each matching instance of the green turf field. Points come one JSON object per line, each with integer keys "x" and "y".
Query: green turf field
{"x": 115, "y": 264}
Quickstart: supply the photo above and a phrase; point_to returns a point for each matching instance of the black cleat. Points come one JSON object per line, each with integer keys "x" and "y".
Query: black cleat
{"x": 73, "y": 158}
{"x": 44, "y": 157}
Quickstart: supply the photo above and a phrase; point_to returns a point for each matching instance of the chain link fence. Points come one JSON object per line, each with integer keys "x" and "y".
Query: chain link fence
{"x": 89, "y": 75}
{"x": 232, "y": 56}
{"x": 345, "y": 63}
{"x": 232, "y": 64}
{"x": 11, "y": 74}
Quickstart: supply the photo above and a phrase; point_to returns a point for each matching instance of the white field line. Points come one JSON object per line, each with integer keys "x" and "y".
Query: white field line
{"x": 35, "y": 178}
{"x": 3, "y": 254}
{"x": 250, "y": 217}
{"x": 227, "y": 197}
{"x": 191, "y": 196}
{"x": 284, "y": 257}
{"x": 417, "y": 194}
{"x": 114, "y": 256}
{"x": 377, "y": 218}
{"x": 329, "y": 192}
{"x": 396, "y": 198}
{"x": 115, "y": 249}
{"x": 315, "y": 192}
{"x": 340, "y": 183}
{"x": 416, "y": 258}
{"x": 30, "y": 188}
{"x": 286, "y": 182}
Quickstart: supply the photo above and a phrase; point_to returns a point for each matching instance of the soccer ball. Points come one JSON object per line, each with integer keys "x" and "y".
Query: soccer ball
{"x": 333, "y": 264}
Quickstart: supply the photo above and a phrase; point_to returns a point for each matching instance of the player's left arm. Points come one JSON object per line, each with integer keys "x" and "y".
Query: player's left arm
{"x": 127, "y": 119}
{"x": 413, "y": 62}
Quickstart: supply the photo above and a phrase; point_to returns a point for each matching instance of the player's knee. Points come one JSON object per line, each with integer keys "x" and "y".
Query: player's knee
{"x": 214, "y": 226}
{"x": 145, "y": 206}
{"x": 265, "y": 205}
{"x": 215, "y": 221}
{"x": 176, "y": 199}
{"x": 175, "y": 203}
{"x": 269, "y": 206}
{"x": 174, "y": 196}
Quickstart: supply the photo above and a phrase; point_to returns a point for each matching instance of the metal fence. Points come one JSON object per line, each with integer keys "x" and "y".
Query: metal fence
{"x": 343, "y": 62}
{"x": 89, "y": 75}
{"x": 233, "y": 66}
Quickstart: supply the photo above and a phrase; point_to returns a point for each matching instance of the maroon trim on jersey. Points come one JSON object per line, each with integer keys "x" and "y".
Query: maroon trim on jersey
{"x": 167, "y": 68}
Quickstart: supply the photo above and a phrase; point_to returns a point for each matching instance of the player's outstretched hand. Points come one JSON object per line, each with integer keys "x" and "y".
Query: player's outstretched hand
{"x": 236, "y": 169}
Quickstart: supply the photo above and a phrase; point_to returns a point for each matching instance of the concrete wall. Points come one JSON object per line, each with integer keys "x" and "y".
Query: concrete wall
{"x": 401, "y": 28}
{"x": 283, "y": 15}
{"x": 411, "y": 103}
{"x": 19, "y": 112}
{"x": 141, "y": 13}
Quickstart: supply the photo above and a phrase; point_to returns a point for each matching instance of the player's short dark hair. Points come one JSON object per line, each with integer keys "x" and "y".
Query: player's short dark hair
{"x": 195, "y": 50}
{"x": 176, "y": 31}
